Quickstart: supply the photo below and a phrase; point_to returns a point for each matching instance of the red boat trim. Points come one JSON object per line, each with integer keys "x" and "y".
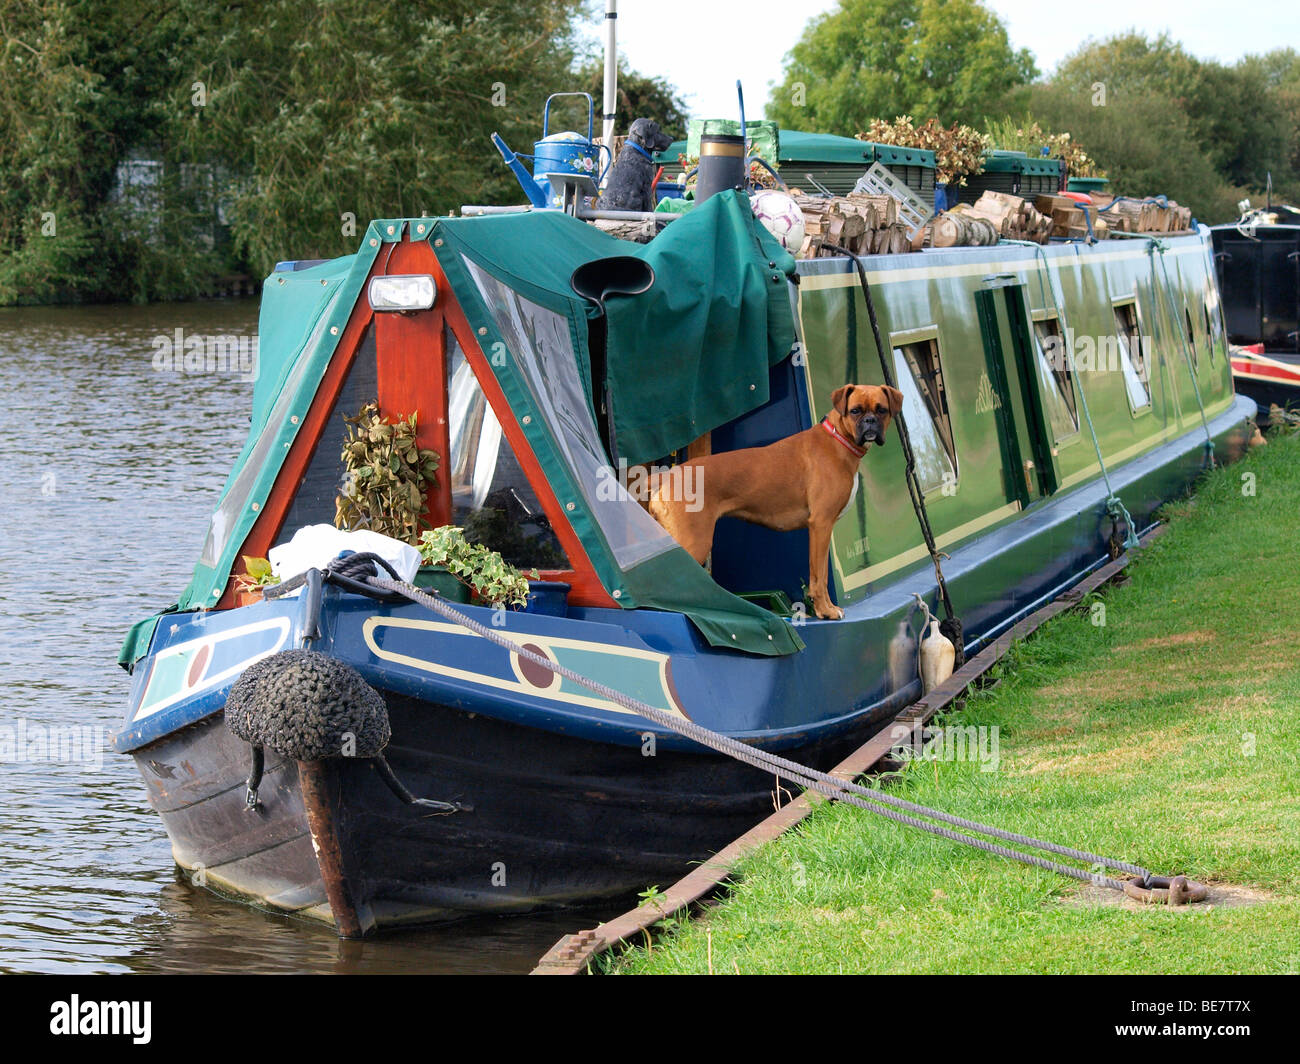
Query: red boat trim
{"x": 411, "y": 366}
{"x": 1256, "y": 369}
{"x": 585, "y": 588}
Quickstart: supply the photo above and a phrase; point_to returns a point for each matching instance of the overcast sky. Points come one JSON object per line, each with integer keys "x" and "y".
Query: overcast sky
{"x": 703, "y": 46}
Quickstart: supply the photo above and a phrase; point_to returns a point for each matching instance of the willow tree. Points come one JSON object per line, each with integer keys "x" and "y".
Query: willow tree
{"x": 328, "y": 115}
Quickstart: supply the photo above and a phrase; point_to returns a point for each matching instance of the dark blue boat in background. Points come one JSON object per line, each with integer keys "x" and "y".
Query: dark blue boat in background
{"x": 1258, "y": 263}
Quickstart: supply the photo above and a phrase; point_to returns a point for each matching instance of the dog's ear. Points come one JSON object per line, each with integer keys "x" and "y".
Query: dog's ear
{"x": 840, "y": 398}
{"x": 895, "y": 400}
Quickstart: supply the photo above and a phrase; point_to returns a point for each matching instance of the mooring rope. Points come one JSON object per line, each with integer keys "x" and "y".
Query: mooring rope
{"x": 1158, "y": 246}
{"x": 1114, "y": 504}
{"x": 951, "y": 627}
{"x": 823, "y": 783}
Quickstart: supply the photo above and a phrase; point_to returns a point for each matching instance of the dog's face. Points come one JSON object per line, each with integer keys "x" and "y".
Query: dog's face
{"x": 862, "y": 412}
{"x": 646, "y": 132}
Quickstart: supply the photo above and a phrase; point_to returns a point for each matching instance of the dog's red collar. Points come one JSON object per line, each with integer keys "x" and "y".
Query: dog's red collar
{"x": 857, "y": 451}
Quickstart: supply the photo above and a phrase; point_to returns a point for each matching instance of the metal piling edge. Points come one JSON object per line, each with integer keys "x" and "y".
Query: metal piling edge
{"x": 573, "y": 952}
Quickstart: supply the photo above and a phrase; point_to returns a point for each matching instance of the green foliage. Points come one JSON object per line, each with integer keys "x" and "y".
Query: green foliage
{"x": 484, "y": 571}
{"x": 1028, "y": 136}
{"x": 1280, "y": 72}
{"x": 1199, "y": 131}
{"x": 1120, "y": 138}
{"x": 82, "y": 83}
{"x": 353, "y": 110}
{"x": 259, "y": 572}
{"x": 949, "y": 59}
{"x": 387, "y": 476}
{"x": 300, "y": 120}
{"x": 1154, "y": 118}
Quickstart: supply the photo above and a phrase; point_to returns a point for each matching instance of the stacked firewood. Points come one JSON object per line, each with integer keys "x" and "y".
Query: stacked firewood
{"x": 865, "y": 225}
{"x": 993, "y": 217}
{"x": 1074, "y": 220}
{"x": 1143, "y": 216}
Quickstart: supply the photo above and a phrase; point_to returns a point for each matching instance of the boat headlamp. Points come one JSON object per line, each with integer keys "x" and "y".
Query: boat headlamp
{"x": 402, "y": 292}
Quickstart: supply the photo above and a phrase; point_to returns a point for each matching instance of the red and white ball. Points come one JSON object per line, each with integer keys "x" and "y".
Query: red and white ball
{"x": 780, "y": 216}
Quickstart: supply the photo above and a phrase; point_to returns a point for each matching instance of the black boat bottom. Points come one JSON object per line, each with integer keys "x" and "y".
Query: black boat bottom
{"x": 556, "y": 820}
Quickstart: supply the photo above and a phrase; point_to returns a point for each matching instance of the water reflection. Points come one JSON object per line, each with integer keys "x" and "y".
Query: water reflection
{"x": 111, "y": 471}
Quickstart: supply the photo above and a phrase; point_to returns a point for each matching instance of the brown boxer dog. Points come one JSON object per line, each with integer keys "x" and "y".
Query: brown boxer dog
{"x": 803, "y": 481}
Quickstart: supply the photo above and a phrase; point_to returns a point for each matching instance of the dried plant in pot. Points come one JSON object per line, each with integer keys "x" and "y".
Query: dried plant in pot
{"x": 387, "y": 476}
{"x": 958, "y": 150}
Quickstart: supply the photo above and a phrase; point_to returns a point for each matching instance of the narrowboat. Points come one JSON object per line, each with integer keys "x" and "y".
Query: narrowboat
{"x": 1054, "y": 397}
{"x": 1257, "y": 259}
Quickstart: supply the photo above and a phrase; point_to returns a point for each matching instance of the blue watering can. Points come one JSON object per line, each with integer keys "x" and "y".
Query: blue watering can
{"x": 556, "y": 153}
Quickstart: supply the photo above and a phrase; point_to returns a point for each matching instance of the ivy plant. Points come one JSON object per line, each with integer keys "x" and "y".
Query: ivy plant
{"x": 484, "y": 571}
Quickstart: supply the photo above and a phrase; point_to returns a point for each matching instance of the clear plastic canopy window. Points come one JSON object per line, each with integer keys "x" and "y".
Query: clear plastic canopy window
{"x": 238, "y": 498}
{"x": 539, "y": 342}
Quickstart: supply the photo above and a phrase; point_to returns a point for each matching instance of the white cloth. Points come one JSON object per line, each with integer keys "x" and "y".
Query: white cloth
{"x": 315, "y": 546}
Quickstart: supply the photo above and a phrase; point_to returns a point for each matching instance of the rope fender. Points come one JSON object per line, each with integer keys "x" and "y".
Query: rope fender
{"x": 308, "y": 706}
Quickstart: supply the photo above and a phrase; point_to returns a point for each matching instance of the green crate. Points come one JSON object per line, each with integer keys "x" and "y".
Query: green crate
{"x": 1088, "y": 184}
{"x": 1015, "y": 173}
{"x": 834, "y": 162}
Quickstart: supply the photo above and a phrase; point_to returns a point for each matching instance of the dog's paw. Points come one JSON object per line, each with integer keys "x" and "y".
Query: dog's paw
{"x": 829, "y": 612}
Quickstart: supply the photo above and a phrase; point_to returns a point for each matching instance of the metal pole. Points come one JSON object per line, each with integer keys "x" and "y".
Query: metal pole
{"x": 611, "y": 74}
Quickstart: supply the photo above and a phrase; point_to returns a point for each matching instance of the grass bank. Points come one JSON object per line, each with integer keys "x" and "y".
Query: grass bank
{"x": 1166, "y": 736}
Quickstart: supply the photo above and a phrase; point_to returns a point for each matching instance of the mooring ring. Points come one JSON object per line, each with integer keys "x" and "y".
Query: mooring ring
{"x": 1165, "y": 890}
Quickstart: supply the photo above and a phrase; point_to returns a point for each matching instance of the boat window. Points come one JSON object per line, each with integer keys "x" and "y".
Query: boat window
{"x": 1131, "y": 356}
{"x": 539, "y": 342}
{"x": 313, "y": 503}
{"x": 925, "y": 408}
{"x": 490, "y": 494}
{"x": 1057, "y": 383}
{"x": 1191, "y": 339}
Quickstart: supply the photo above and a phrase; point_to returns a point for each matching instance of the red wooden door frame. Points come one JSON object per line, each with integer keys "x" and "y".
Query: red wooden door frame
{"x": 411, "y": 357}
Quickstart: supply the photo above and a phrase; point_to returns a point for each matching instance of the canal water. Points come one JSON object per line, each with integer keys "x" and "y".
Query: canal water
{"x": 114, "y": 459}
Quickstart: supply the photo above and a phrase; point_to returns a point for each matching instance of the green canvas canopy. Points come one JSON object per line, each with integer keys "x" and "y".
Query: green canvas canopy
{"x": 689, "y": 354}
{"x": 686, "y": 356}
